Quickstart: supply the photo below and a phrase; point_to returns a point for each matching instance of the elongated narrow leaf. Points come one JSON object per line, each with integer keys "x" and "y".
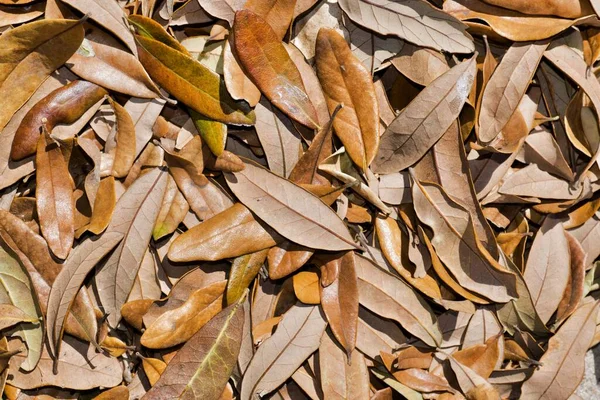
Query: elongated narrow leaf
{"x": 269, "y": 66}
{"x": 54, "y": 197}
{"x": 134, "y": 217}
{"x": 391, "y": 298}
{"x": 292, "y": 211}
{"x": 423, "y": 122}
{"x": 66, "y": 285}
{"x": 562, "y": 365}
{"x": 507, "y": 86}
{"x": 202, "y": 367}
{"x": 547, "y": 270}
{"x": 413, "y": 20}
{"x": 347, "y": 82}
{"x": 192, "y": 83}
{"x": 297, "y": 336}
{"x": 457, "y": 245}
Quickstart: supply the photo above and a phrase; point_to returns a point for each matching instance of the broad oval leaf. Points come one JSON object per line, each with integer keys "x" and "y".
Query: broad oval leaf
{"x": 293, "y": 212}
{"x": 423, "y": 122}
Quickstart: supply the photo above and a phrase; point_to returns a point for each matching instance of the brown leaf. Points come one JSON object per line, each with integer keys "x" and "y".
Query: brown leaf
{"x": 103, "y": 61}
{"x": 122, "y": 146}
{"x": 423, "y": 122}
{"x": 422, "y": 381}
{"x": 277, "y": 13}
{"x": 177, "y": 326}
{"x": 296, "y": 338}
{"x": 108, "y": 15}
{"x": 54, "y": 197}
{"x": 292, "y": 211}
{"x": 507, "y": 86}
{"x": 563, "y": 363}
{"x": 134, "y": 217}
{"x": 547, "y": 271}
{"x": 306, "y": 287}
{"x": 561, "y": 8}
{"x": 415, "y": 21}
{"x": 62, "y": 106}
{"x": 509, "y": 24}
{"x": 75, "y": 360}
{"x": 68, "y": 282}
{"x": 342, "y": 376}
{"x": 380, "y": 292}
{"x": 204, "y": 364}
{"x": 11, "y": 315}
{"x": 224, "y": 236}
{"x": 43, "y": 46}
{"x": 339, "y": 301}
{"x": 455, "y": 241}
{"x": 269, "y": 66}
{"x": 573, "y": 294}
{"x": 482, "y": 358}
{"x": 341, "y": 75}
{"x": 239, "y": 86}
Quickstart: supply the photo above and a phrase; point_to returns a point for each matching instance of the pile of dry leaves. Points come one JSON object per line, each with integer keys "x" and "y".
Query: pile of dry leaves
{"x": 298, "y": 199}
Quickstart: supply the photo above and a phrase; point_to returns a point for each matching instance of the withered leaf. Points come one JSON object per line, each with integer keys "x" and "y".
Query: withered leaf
{"x": 204, "y": 364}
{"x": 54, "y": 197}
{"x": 423, "y": 122}
{"x": 547, "y": 270}
{"x": 296, "y": 338}
{"x": 224, "y": 236}
{"x": 67, "y": 283}
{"x": 268, "y": 64}
{"x": 109, "y": 15}
{"x": 30, "y": 53}
{"x": 339, "y": 301}
{"x": 179, "y": 325}
{"x": 563, "y": 363}
{"x": 341, "y": 74}
{"x": 75, "y": 360}
{"x": 381, "y": 292}
{"x": 415, "y": 21}
{"x": 507, "y": 86}
{"x": 457, "y": 245}
{"x": 292, "y": 211}
{"x": 134, "y": 218}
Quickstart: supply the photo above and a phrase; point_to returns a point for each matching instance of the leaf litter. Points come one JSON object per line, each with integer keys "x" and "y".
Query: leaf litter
{"x": 298, "y": 199}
